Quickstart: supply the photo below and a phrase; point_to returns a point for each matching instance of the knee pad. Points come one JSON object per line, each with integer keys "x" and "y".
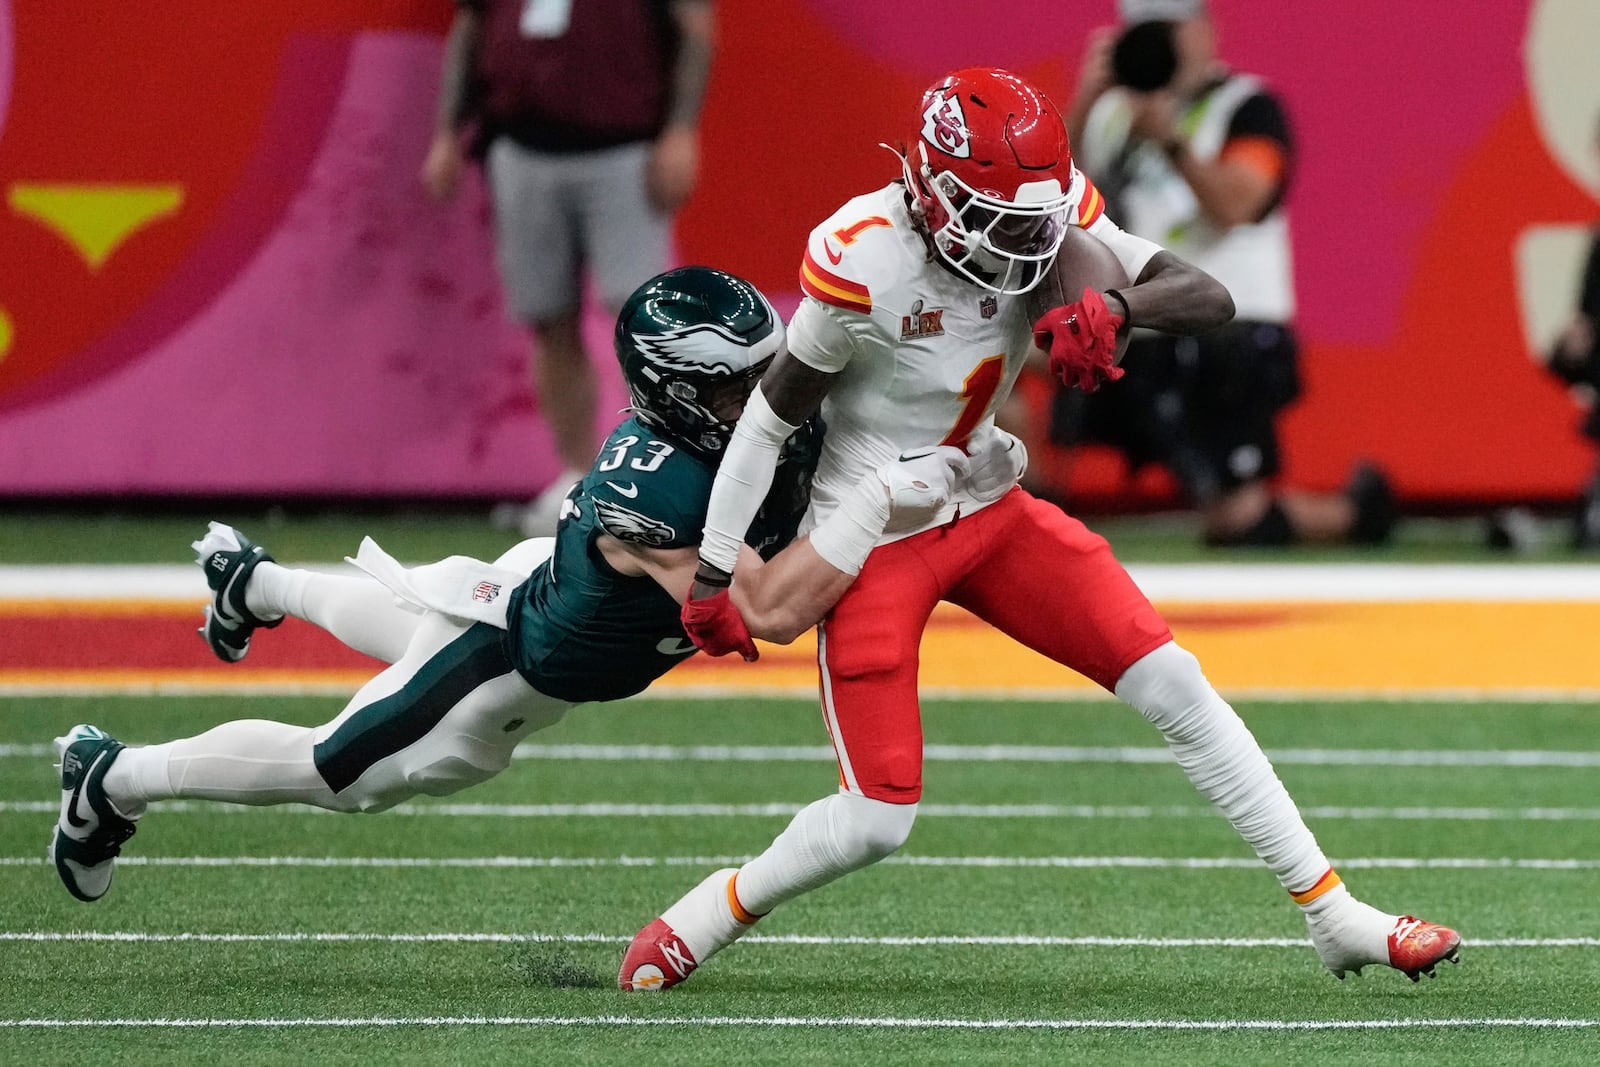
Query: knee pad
{"x": 867, "y": 830}
{"x": 877, "y": 655}
{"x": 1167, "y": 686}
{"x": 449, "y": 775}
{"x": 438, "y": 767}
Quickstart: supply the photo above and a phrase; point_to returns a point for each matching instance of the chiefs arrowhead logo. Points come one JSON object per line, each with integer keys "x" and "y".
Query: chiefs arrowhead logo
{"x": 944, "y": 125}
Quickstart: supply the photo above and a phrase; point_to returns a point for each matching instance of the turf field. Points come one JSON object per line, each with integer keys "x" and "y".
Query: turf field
{"x": 1065, "y": 897}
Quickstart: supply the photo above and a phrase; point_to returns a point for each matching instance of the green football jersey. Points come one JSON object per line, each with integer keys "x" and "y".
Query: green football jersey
{"x": 580, "y": 631}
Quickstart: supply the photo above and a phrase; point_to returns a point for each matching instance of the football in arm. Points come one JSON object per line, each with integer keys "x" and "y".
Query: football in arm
{"x": 1083, "y": 262}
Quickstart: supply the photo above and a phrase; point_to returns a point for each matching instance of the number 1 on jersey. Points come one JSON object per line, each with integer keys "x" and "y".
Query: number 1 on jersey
{"x": 977, "y": 390}
{"x": 847, "y": 235}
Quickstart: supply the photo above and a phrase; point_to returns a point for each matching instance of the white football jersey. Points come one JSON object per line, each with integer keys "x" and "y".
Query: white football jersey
{"x": 922, "y": 356}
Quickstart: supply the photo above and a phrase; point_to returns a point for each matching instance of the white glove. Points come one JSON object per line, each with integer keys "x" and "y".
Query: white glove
{"x": 920, "y": 484}
{"x": 997, "y": 466}
{"x": 897, "y": 496}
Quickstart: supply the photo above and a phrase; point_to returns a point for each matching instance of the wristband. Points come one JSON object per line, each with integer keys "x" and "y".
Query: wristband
{"x": 708, "y": 575}
{"x": 846, "y": 537}
{"x": 1127, "y": 313}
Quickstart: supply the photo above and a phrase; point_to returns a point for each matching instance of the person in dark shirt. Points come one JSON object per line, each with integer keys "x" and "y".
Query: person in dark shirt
{"x": 585, "y": 116}
{"x": 482, "y": 654}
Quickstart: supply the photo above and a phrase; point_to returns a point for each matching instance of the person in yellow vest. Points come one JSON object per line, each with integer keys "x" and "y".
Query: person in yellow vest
{"x": 1198, "y": 157}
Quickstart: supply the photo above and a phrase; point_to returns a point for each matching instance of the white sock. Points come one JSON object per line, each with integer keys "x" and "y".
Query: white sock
{"x": 1347, "y": 932}
{"x": 268, "y": 591}
{"x": 832, "y": 837}
{"x": 1221, "y": 757}
{"x": 360, "y": 611}
{"x": 703, "y": 918}
{"x": 250, "y": 761}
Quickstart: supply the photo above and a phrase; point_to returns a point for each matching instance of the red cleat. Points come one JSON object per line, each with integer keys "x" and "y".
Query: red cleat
{"x": 705, "y": 921}
{"x": 1349, "y": 935}
{"x": 1416, "y": 947}
{"x": 656, "y": 959}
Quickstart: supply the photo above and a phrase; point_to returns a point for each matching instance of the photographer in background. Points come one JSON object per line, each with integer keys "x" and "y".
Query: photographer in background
{"x": 1198, "y": 158}
{"x": 1575, "y": 359}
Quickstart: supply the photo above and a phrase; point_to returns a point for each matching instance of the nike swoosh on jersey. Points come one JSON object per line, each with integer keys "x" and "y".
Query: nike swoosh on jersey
{"x": 674, "y": 646}
{"x": 630, "y": 492}
{"x": 833, "y": 257}
{"x": 915, "y": 455}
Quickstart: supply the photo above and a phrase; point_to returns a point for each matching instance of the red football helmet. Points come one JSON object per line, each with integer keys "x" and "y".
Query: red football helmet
{"x": 991, "y": 172}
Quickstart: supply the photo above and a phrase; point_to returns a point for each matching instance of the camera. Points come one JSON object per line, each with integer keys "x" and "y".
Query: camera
{"x": 1145, "y": 56}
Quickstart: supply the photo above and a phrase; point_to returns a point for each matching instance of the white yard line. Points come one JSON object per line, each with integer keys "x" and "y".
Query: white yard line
{"x": 811, "y": 1022}
{"x": 823, "y": 940}
{"x": 1279, "y": 582}
{"x": 222, "y": 688}
{"x": 151, "y": 686}
{"x": 781, "y": 809}
{"x": 1063, "y": 754}
{"x": 1017, "y": 862}
{"x": 1327, "y": 757}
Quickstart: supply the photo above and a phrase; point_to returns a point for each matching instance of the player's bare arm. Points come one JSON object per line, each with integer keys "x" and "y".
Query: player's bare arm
{"x": 792, "y": 391}
{"x": 1176, "y": 297}
{"x": 779, "y": 599}
{"x": 795, "y": 389}
{"x": 1083, "y": 341}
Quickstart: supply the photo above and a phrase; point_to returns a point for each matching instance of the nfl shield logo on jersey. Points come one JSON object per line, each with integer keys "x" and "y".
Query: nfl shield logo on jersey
{"x": 988, "y": 307}
{"x": 485, "y": 592}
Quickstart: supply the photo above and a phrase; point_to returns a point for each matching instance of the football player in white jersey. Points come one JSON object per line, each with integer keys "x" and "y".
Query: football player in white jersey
{"x": 920, "y": 308}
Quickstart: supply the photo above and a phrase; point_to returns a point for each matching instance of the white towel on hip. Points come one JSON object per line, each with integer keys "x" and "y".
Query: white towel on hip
{"x": 460, "y": 586}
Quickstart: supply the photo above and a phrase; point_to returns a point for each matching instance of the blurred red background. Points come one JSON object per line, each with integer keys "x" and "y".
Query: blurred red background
{"x": 215, "y": 210}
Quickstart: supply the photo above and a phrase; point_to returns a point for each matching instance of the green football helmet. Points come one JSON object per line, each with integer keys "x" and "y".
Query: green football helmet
{"x": 693, "y": 342}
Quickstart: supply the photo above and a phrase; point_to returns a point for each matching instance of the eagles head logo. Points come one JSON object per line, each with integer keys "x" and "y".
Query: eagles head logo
{"x": 625, "y": 524}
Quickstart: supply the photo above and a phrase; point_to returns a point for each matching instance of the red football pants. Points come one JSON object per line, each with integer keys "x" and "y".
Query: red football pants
{"x": 1025, "y": 567}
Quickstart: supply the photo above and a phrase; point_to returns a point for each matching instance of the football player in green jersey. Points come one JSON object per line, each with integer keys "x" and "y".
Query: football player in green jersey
{"x": 482, "y": 654}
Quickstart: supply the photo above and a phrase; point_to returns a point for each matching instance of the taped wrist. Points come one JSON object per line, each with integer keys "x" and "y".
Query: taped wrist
{"x": 743, "y": 479}
{"x": 845, "y": 537}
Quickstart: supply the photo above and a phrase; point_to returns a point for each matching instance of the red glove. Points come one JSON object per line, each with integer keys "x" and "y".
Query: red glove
{"x": 1082, "y": 341}
{"x": 716, "y": 627}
